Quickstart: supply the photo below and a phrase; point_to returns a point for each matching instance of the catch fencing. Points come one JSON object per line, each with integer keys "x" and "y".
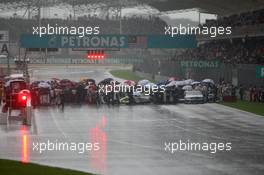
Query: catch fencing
{"x": 200, "y": 69}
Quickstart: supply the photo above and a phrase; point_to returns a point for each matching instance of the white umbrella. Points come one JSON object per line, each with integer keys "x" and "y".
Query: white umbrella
{"x": 187, "y": 88}
{"x": 43, "y": 85}
{"x": 188, "y": 82}
{"x": 208, "y": 81}
{"x": 180, "y": 83}
{"x": 172, "y": 79}
{"x": 195, "y": 83}
{"x": 171, "y": 84}
{"x": 150, "y": 85}
{"x": 14, "y": 76}
{"x": 143, "y": 82}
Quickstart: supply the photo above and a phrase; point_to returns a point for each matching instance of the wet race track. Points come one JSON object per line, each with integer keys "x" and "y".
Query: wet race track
{"x": 132, "y": 139}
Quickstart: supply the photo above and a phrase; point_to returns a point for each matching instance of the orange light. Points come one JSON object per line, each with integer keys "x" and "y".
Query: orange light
{"x": 24, "y": 148}
{"x": 25, "y": 154}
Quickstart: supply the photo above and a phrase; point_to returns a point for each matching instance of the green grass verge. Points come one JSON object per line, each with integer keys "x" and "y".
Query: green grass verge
{"x": 253, "y": 107}
{"x": 10, "y": 167}
{"x": 126, "y": 74}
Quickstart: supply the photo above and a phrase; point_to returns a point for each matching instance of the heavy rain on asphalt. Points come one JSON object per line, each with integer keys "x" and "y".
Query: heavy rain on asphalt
{"x": 132, "y": 137}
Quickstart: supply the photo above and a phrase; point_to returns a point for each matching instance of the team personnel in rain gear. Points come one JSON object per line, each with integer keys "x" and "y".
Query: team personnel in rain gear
{"x": 130, "y": 97}
{"x": 62, "y": 99}
{"x": 80, "y": 93}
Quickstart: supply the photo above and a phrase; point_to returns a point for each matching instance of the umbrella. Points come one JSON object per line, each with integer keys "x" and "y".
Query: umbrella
{"x": 208, "y": 81}
{"x": 195, "y": 83}
{"x": 55, "y": 79}
{"x": 129, "y": 83}
{"x": 187, "y": 88}
{"x": 143, "y": 82}
{"x": 117, "y": 82}
{"x": 172, "y": 79}
{"x": 106, "y": 81}
{"x": 16, "y": 76}
{"x": 171, "y": 84}
{"x": 180, "y": 83}
{"x": 188, "y": 81}
{"x": 163, "y": 82}
{"x": 47, "y": 81}
{"x": 150, "y": 85}
{"x": 92, "y": 81}
{"x": 43, "y": 85}
{"x": 65, "y": 81}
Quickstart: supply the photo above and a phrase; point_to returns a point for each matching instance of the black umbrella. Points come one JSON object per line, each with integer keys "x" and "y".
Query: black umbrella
{"x": 106, "y": 81}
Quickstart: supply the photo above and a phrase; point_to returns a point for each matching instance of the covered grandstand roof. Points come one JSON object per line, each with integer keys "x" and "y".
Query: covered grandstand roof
{"x": 219, "y": 7}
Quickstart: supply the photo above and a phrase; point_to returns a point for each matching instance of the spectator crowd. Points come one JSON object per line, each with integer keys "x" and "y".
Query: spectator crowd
{"x": 243, "y": 50}
{"x": 246, "y": 50}
{"x": 251, "y": 93}
{"x": 238, "y": 20}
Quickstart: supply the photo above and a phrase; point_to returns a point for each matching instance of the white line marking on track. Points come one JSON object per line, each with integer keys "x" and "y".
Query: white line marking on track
{"x": 57, "y": 125}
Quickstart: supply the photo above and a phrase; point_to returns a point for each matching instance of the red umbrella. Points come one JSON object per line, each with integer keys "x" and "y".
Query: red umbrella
{"x": 55, "y": 79}
{"x": 173, "y": 79}
{"x": 129, "y": 82}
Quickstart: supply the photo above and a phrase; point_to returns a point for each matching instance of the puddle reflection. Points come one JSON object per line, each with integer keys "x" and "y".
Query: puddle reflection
{"x": 24, "y": 145}
{"x": 98, "y": 135}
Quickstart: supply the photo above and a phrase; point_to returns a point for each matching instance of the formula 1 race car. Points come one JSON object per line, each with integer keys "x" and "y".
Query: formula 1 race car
{"x": 193, "y": 97}
{"x": 17, "y": 97}
{"x": 136, "y": 98}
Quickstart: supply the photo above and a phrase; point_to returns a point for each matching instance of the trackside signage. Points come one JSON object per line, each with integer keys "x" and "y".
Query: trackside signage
{"x": 200, "y": 64}
{"x": 72, "y": 41}
{"x": 107, "y": 41}
{"x": 167, "y": 42}
{"x": 260, "y": 71}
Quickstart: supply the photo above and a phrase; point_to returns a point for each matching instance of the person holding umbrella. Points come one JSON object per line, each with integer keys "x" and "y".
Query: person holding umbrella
{"x": 62, "y": 99}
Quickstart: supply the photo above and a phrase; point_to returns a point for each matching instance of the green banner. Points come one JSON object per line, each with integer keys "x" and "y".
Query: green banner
{"x": 73, "y": 41}
{"x": 107, "y": 41}
{"x": 260, "y": 71}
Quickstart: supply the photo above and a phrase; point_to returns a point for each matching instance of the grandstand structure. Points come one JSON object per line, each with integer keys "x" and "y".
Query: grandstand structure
{"x": 106, "y": 14}
{"x": 239, "y": 54}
